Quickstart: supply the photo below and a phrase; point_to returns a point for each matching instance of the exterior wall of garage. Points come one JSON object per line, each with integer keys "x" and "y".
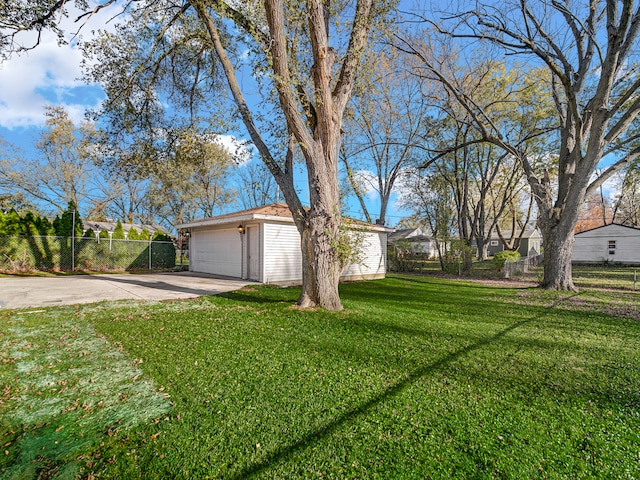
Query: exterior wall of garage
{"x": 373, "y": 257}
{"x": 215, "y": 250}
{"x": 282, "y": 255}
{"x": 268, "y": 249}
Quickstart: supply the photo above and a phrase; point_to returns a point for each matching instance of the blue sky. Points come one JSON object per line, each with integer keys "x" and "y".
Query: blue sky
{"x": 51, "y": 75}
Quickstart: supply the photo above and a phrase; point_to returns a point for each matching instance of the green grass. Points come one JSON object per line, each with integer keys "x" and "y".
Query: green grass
{"x": 613, "y": 276}
{"x": 606, "y": 276}
{"x": 419, "y": 377}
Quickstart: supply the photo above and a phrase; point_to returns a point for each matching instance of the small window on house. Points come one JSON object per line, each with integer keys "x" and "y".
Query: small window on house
{"x": 612, "y": 247}
{"x": 494, "y": 243}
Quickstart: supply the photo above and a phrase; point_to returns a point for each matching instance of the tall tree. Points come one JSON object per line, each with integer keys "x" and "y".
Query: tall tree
{"x": 386, "y": 130}
{"x": 63, "y": 172}
{"x": 256, "y": 185}
{"x": 590, "y": 50}
{"x": 307, "y": 64}
{"x": 485, "y": 179}
{"x": 431, "y": 199}
{"x": 20, "y": 16}
{"x": 626, "y": 208}
{"x": 595, "y": 212}
{"x": 191, "y": 181}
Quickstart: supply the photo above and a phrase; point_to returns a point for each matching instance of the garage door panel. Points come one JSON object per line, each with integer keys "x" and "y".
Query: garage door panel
{"x": 217, "y": 252}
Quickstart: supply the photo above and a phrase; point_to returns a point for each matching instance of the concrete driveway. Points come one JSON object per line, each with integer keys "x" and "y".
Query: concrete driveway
{"x": 26, "y": 292}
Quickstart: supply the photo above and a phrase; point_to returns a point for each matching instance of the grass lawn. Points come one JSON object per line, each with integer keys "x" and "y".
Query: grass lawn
{"x": 419, "y": 377}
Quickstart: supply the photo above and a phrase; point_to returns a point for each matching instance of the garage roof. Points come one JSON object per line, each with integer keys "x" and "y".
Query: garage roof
{"x": 275, "y": 212}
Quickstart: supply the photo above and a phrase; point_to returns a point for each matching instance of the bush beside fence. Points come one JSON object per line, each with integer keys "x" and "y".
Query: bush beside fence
{"x": 25, "y": 254}
{"x": 514, "y": 268}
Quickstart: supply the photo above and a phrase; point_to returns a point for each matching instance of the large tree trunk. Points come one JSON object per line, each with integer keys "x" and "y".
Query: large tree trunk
{"x": 320, "y": 271}
{"x": 314, "y": 120}
{"x": 557, "y": 260}
{"x": 318, "y": 234}
{"x": 557, "y": 235}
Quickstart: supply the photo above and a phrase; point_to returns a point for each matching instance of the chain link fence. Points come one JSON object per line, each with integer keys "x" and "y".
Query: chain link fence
{"x": 55, "y": 254}
{"x": 517, "y": 268}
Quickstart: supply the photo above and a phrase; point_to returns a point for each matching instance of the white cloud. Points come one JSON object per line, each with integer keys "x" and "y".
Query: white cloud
{"x": 240, "y": 150}
{"x": 47, "y": 75}
{"x": 367, "y": 181}
{"x": 404, "y": 188}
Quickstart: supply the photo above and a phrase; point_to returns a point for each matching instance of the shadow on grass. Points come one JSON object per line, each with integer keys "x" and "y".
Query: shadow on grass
{"x": 263, "y": 295}
{"x": 365, "y": 407}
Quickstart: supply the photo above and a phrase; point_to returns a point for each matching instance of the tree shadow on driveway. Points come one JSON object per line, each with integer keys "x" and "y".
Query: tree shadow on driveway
{"x": 181, "y": 285}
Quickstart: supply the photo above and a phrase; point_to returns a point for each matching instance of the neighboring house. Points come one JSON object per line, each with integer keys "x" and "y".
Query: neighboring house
{"x": 530, "y": 244}
{"x": 263, "y": 244}
{"x": 415, "y": 240}
{"x": 97, "y": 227}
{"x": 609, "y": 243}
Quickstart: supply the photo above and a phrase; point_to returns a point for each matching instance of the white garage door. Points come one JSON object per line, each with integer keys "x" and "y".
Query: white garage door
{"x": 216, "y": 251}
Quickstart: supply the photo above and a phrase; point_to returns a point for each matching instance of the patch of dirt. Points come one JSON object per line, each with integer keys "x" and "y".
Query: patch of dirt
{"x": 503, "y": 283}
{"x": 618, "y": 304}
{"x": 490, "y": 282}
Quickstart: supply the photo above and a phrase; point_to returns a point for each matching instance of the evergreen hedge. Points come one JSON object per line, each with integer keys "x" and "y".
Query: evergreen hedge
{"x": 33, "y": 253}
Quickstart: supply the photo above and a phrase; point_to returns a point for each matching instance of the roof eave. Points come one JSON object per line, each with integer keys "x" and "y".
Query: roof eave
{"x": 211, "y": 222}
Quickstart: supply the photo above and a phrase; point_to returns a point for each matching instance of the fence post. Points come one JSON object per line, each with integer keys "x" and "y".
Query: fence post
{"x": 150, "y": 243}
{"x": 73, "y": 242}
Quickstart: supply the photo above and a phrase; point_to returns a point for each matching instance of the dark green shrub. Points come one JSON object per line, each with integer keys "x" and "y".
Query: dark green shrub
{"x": 64, "y": 224}
{"x": 163, "y": 255}
{"x": 158, "y": 236}
{"x": 118, "y": 232}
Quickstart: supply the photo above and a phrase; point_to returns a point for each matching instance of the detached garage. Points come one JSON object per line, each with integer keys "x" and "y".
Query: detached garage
{"x": 263, "y": 244}
{"x": 609, "y": 243}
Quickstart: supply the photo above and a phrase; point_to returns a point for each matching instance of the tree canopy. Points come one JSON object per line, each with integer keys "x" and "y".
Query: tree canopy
{"x": 304, "y": 57}
{"x": 590, "y": 53}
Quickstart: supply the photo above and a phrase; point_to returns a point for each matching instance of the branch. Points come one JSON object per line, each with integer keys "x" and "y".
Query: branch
{"x": 282, "y": 74}
{"x": 362, "y": 21}
{"x": 615, "y": 167}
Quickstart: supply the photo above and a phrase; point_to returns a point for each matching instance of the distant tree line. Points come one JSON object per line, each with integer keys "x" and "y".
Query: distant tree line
{"x": 28, "y": 223}
{"x": 186, "y": 176}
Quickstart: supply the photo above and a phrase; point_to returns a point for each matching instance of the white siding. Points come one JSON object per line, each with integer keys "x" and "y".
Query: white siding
{"x": 220, "y": 251}
{"x": 593, "y": 245}
{"x": 216, "y": 251}
{"x": 282, "y": 257}
{"x": 373, "y": 256}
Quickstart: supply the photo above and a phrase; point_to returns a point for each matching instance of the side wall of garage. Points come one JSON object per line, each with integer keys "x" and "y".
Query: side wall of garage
{"x": 282, "y": 255}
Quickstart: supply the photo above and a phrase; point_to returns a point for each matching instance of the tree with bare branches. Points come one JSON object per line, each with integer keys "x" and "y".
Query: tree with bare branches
{"x": 20, "y": 18}
{"x": 304, "y": 57}
{"x": 63, "y": 170}
{"x": 386, "y": 130}
{"x": 590, "y": 50}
